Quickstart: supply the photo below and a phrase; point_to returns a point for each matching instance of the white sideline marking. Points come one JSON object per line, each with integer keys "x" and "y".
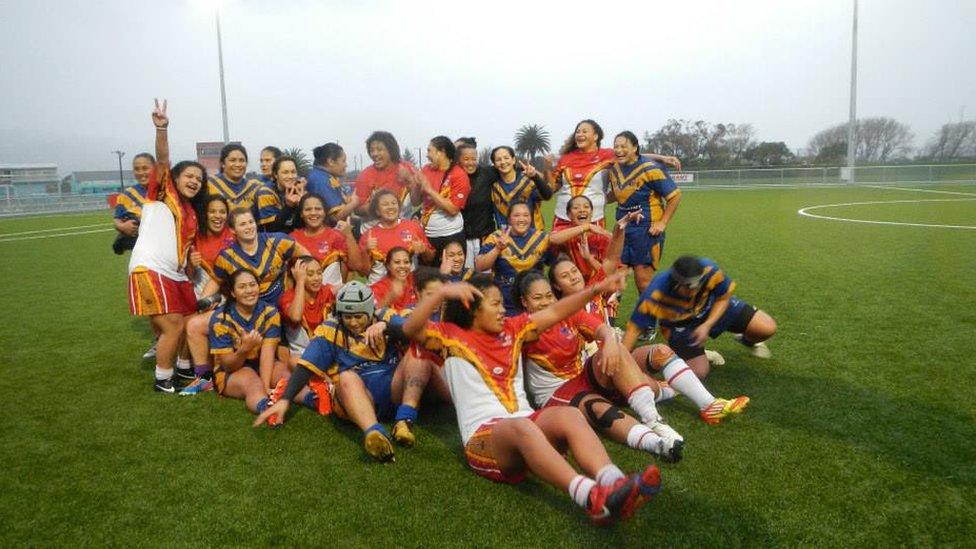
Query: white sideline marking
{"x": 805, "y": 212}
{"x": 886, "y": 187}
{"x": 5, "y": 235}
{"x": 37, "y": 237}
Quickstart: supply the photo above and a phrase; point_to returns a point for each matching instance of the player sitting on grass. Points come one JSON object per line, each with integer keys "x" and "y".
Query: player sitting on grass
{"x": 503, "y": 437}
{"x": 244, "y": 336}
{"x": 354, "y": 351}
{"x": 558, "y": 376}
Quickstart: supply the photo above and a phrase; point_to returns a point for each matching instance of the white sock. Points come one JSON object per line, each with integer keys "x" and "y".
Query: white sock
{"x": 163, "y": 373}
{"x": 684, "y": 381}
{"x": 641, "y": 400}
{"x": 579, "y": 490}
{"x": 609, "y": 474}
{"x": 666, "y": 393}
{"x": 641, "y": 437}
{"x": 182, "y": 364}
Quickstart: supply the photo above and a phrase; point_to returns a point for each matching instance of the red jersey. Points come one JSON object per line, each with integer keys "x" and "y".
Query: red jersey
{"x": 210, "y": 247}
{"x": 407, "y": 300}
{"x": 578, "y": 167}
{"x": 370, "y": 180}
{"x": 598, "y": 245}
{"x": 327, "y": 246}
{"x": 314, "y": 312}
{"x": 559, "y": 349}
{"x": 403, "y": 234}
{"x": 494, "y": 357}
{"x": 452, "y": 184}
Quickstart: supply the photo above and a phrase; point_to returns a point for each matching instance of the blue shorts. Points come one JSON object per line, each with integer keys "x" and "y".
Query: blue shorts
{"x": 640, "y": 248}
{"x": 735, "y": 319}
{"x": 378, "y": 381}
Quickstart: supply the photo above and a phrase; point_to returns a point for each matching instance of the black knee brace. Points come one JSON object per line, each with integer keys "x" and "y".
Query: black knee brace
{"x": 604, "y": 421}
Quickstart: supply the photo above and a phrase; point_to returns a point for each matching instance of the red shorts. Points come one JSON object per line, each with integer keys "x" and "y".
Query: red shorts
{"x": 560, "y": 223}
{"x": 585, "y": 382}
{"x": 482, "y": 460}
{"x": 151, "y": 293}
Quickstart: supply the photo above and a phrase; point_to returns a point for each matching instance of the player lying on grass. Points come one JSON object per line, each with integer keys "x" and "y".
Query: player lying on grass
{"x": 503, "y": 437}
{"x": 558, "y": 376}
{"x": 693, "y": 301}
{"x": 372, "y": 381}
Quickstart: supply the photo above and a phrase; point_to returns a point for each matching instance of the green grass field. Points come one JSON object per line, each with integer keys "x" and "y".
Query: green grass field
{"x": 861, "y": 430}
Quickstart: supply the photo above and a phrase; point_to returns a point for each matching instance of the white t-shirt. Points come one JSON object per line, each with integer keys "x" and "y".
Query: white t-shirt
{"x": 156, "y": 245}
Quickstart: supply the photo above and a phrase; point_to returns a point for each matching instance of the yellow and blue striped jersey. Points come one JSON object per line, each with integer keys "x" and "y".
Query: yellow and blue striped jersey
{"x": 269, "y": 262}
{"x": 129, "y": 203}
{"x": 521, "y": 189}
{"x": 644, "y": 186}
{"x": 334, "y": 349}
{"x": 228, "y": 325}
{"x": 672, "y": 304}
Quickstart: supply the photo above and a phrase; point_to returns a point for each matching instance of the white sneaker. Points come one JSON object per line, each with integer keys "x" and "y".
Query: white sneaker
{"x": 714, "y": 358}
{"x": 760, "y": 350}
{"x": 151, "y": 352}
{"x": 672, "y": 443}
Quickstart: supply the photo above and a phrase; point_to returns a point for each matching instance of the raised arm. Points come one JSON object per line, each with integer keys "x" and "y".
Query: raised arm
{"x": 161, "y": 121}
{"x": 568, "y": 305}
{"x": 616, "y": 247}
{"x": 413, "y": 326}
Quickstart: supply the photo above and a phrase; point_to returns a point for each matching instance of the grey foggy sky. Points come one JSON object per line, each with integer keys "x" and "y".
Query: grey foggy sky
{"x": 79, "y": 77}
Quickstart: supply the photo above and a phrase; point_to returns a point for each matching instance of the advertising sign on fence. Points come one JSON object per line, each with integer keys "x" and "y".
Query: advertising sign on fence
{"x": 685, "y": 177}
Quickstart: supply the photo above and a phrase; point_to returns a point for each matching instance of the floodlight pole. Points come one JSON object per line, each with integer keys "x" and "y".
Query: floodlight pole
{"x": 852, "y": 121}
{"x": 121, "y": 181}
{"x": 223, "y": 92}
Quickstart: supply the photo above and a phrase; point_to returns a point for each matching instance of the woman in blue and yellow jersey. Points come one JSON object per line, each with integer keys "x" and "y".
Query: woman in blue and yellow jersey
{"x": 516, "y": 249}
{"x": 128, "y": 204}
{"x": 373, "y": 380}
{"x": 267, "y": 254}
{"x": 289, "y": 189}
{"x": 325, "y": 179}
{"x": 232, "y": 183}
{"x": 268, "y": 156}
{"x": 517, "y": 181}
{"x": 642, "y": 185}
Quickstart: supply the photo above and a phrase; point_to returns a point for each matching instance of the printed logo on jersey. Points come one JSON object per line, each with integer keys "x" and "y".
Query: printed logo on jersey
{"x": 505, "y": 339}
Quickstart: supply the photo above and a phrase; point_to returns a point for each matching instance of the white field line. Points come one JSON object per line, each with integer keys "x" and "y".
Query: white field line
{"x": 59, "y": 229}
{"x": 37, "y": 237}
{"x": 806, "y": 212}
{"x": 888, "y": 188}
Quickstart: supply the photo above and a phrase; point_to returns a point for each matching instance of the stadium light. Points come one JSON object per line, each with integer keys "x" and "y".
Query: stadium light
{"x": 215, "y": 6}
{"x": 852, "y": 121}
{"x": 121, "y": 180}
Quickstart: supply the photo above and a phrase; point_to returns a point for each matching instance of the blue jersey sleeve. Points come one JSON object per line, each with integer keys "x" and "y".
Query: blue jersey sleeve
{"x": 220, "y": 335}
{"x": 664, "y": 187}
{"x": 320, "y": 357}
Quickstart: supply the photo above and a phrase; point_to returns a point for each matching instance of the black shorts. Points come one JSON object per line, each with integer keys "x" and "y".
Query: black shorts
{"x": 735, "y": 320}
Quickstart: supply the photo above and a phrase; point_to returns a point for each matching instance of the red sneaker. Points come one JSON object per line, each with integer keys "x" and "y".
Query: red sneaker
{"x": 647, "y": 484}
{"x": 321, "y": 390}
{"x": 607, "y": 503}
{"x": 275, "y": 397}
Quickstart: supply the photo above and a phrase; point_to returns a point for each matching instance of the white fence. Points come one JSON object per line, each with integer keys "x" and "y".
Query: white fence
{"x": 831, "y": 175}
{"x": 48, "y": 204}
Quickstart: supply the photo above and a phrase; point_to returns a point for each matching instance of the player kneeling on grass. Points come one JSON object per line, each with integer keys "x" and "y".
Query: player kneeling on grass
{"x": 355, "y": 351}
{"x": 503, "y": 437}
{"x": 558, "y": 376}
{"x": 244, "y": 336}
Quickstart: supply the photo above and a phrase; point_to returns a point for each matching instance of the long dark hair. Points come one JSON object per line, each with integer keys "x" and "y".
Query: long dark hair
{"x": 457, "y": 313}
{"x": 523, "y": 281}
{"x": 202, "y": 227}
{"x": 570, "y": 144}
{"x": 387, "y": 139}
{"x": 446, "y": 146}
{"x": 300, "y": 223}
{"x": 563, "y": 258}
{"x": 198, "y": 202}
{"x": 329, "y": 151}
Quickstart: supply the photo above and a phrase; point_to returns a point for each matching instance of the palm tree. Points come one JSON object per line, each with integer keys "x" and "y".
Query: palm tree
{"x": 531, "y": 140}
{"x": 408, "y": 156}
{"x": 484, "y": 157}
{"x": 302, "y": 161}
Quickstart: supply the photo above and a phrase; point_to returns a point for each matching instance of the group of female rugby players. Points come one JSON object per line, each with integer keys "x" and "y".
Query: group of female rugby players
{"x": 253, "y": 289}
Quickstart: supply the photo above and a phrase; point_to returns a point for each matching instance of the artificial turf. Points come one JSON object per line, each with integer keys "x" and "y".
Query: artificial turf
{"x": 861, "y": 429}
